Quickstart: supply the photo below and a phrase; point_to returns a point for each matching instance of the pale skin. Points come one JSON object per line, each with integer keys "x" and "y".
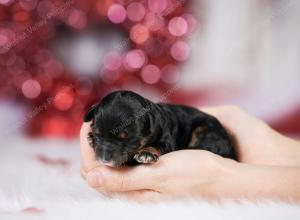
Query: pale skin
{"x": 268, "y": 167}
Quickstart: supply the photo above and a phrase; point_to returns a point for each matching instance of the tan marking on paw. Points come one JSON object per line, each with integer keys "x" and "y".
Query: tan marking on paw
{"x": 195, "y": 136}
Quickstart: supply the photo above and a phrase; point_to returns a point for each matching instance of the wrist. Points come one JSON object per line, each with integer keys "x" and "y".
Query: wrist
{"x": 287, "y": 151}
{"x": 244, "y": 181}
{"x": 237, "y": 181}
{"x": 223, "y": 179}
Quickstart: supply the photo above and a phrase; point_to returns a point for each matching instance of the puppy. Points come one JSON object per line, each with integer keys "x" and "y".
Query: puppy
{"x": 128, "y": 129}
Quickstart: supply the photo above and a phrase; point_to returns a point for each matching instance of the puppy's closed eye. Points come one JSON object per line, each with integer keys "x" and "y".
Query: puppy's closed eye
{"x": 123, "y": 135}
{"x": 97, "y": 131}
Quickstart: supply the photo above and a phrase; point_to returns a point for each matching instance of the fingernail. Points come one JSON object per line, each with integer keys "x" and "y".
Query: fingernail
{"x": 94, "y": 178}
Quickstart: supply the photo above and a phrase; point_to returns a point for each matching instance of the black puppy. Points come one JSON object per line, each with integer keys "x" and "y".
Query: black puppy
{"x": 128, "y": 129}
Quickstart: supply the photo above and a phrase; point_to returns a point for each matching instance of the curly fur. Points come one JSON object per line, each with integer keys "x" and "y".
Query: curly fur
{"x": 163, "y": 126}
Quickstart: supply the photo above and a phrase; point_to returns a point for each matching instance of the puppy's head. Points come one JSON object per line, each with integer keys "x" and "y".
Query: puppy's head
{"x": 121, "y": 126}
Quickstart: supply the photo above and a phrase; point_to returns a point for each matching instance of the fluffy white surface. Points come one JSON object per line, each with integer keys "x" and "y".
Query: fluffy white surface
{"x": 58, "y": 192}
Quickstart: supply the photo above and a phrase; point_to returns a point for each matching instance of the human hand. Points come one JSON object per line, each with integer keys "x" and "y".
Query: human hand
{"x": 166, "y": 179}
{"x": 196, "y": 175}
{"x": 256, "y": 143}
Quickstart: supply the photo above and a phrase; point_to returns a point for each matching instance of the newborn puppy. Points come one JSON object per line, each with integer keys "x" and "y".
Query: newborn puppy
{"x": 128, "y": 129}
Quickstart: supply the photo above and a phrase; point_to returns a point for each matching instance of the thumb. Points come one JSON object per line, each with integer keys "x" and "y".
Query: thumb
{"x": 108, "y": 179}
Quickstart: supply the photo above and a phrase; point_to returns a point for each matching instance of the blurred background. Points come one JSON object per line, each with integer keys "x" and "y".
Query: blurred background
{"x": 59, "y": 57}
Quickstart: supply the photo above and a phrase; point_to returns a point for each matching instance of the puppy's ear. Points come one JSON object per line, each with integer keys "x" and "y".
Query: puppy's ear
{"x": 89, "y": 115}
{"x": 149, "y": 124}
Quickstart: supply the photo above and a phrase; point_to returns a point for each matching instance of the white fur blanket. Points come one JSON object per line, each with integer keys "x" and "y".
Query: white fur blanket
{"x": 40, "y": 180}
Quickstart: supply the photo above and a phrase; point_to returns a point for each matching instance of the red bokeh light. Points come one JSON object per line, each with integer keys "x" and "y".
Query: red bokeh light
{"x": 139, "y": 33}
{"x": 31, "y": 89}
{"x": 136, "y": 11}
{"x": 64, "y": 99}
{"x": 116, "y": 13}
{"x": 150, "y": 74}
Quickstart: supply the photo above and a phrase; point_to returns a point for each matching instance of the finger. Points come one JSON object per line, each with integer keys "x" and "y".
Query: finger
{"x": 234, "y": 117}
{"x": 211, "y": 110}
{"x": 142, "y": 177}
{"x": 87, "y": 154}
{"x": 227, "y": 115}
{"x": 246, "y": 131}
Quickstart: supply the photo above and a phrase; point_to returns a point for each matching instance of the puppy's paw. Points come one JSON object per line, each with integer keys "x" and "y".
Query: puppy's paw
{"x": 145, "y": 157}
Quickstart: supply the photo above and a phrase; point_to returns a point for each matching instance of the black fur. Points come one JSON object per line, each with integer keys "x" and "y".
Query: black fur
{"x": 124, "y": 123}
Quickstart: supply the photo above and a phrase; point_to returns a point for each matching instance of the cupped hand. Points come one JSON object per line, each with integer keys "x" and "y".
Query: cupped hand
{"x": 256, "y": 142}
{"x": 177, "y": 174}
{"x": 189, "y": 172}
